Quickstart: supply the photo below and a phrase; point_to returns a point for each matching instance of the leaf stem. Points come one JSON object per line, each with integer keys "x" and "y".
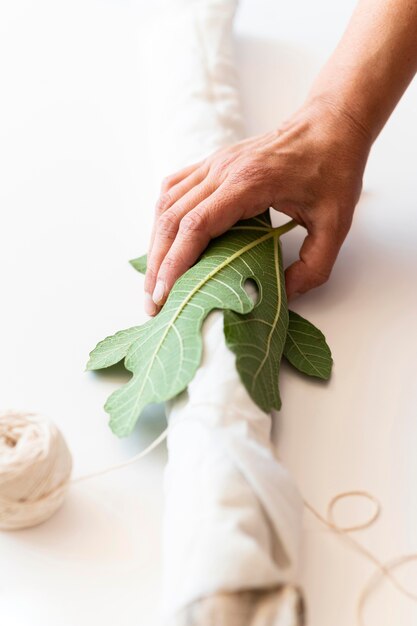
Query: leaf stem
{"x": 281, "y": 230}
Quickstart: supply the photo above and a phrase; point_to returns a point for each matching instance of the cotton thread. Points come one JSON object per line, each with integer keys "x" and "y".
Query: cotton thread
{"x": 384, "y": 570}
{"x": 35, "y": 473}
{"x": 35, "y": 469}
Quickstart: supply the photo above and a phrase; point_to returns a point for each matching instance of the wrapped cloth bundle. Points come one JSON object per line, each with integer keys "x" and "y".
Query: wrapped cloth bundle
{"x": 232, "y": 513}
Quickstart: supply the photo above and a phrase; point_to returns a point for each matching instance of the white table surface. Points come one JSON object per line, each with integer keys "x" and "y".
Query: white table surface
{"x": 76, "y": 204}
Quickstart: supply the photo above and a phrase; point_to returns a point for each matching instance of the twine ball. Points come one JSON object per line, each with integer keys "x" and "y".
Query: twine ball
{"x": 35, "y": 469}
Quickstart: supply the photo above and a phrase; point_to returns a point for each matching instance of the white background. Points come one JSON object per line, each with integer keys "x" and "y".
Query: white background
{"x": 76, "y": 204}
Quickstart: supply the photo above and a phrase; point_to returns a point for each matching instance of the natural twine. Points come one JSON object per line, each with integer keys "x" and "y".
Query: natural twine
{"x": 35, "y": 473}
{"x": 35, "y": 468}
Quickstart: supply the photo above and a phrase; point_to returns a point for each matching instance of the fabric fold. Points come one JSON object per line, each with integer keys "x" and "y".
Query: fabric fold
{"x": 232, "y": 511}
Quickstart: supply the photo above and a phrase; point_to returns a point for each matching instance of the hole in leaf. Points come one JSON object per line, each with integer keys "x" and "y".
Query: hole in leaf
{"x": 252, "y": 289}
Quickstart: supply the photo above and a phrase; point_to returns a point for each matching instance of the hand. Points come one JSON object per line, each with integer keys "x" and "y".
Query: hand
{"x": 310, "y": 168}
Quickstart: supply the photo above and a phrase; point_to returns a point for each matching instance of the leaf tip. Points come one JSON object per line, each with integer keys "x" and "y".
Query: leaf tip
{"x": 139, "y": 264}
{"x": 90, "y": 363}
{"x": 118, "y": 429}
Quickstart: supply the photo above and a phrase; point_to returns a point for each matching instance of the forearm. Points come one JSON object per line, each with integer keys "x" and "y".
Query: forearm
{"x": 310, "y": 168}
{"x": 373, "y": 64}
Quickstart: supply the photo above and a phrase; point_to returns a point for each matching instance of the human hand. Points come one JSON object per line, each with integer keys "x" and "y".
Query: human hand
{"x": 310, "y": 168}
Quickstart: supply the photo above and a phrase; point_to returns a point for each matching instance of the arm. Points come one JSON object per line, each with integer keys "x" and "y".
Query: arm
{"x": 310, "y": 168}
{"x": 373, "y": 63}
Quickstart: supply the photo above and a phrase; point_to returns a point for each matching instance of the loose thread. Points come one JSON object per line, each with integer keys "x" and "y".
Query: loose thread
{"x": 117, "y": 466}
{"x": 35, "y": 473}
{"x": 384, "y": 570}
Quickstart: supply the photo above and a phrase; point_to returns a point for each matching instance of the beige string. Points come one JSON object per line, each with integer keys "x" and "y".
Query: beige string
{"x": 155, "y": 443}
{"x": 384, "y": 570}
{"x": 35, "y": 469}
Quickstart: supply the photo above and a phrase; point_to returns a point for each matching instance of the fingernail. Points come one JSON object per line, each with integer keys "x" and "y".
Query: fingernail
{"x": 150, "y": 306}
{"x": 158, "y": 292}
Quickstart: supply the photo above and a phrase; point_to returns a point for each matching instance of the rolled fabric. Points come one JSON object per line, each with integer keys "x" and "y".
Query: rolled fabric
{"x": 232, "y": 512}
{"x": 190, "y": 83}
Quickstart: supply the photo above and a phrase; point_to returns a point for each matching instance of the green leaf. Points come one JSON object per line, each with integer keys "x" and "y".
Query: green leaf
{"x": 165, "y": 352}
{"x": 258, "y": 337}
{"x": 140, "y": 263}
{"x": 113, "y": 349}
{"x": 306, "y": 348}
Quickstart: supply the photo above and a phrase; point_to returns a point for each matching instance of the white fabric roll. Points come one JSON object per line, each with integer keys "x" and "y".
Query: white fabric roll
{"x": 232, "y": 513}
{"x": 191, "y": 83}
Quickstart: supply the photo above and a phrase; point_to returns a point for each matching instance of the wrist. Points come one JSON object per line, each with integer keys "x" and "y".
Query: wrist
{"x": 345, "y": 113}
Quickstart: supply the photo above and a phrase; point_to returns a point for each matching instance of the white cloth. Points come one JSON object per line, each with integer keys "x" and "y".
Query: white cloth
{"x": 232, "y": 515}
{"x": 191, "y": 83}
{"x": 232, "y": 512}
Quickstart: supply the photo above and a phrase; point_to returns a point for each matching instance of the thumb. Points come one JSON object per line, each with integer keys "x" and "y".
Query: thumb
{"x": 317, "y": 257}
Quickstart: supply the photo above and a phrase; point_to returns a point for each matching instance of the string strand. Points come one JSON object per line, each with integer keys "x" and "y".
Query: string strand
{"x": 384, "y": 570}
{"x": 35, "y": 469}
{"x": 155, "y": 443}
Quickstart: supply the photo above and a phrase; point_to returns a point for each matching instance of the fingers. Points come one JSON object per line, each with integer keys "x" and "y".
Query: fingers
{"x": 210, "y": 218}
{"x": 170, "y": 194}
{"x": 175, "y": 178}
{"x": 172, "y": 189}
{"x": 165, "y": 232}
{"x": 317, "y": 257}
